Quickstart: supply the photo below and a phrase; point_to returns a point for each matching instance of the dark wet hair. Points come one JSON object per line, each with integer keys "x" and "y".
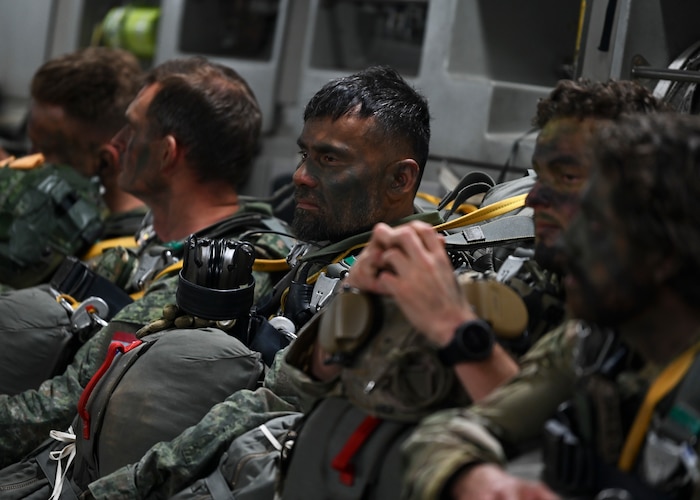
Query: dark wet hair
{"x": 652, "y": 163}
{"x": 211, "y": 110}
{"x": 400, "y": 113}
{"x": 588, "y": 99}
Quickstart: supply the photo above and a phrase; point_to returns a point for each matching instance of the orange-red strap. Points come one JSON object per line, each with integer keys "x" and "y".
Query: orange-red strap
{"x": 114, "y": 348}
{"x": 343, "y": 460}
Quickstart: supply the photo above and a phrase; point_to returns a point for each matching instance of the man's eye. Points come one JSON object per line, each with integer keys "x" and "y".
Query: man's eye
{"x": 301, "y": 157}
{"x": 571, "y": 178}
{"x": 328, "y": 159}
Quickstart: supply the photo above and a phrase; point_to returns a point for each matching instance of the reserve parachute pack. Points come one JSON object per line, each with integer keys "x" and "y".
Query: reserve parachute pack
{"x": 47, "y": 212}
{"x": 167, "y": 380}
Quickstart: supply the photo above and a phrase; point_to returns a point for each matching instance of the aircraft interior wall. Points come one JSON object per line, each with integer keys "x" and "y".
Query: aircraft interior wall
{"x": 482, "y": 64}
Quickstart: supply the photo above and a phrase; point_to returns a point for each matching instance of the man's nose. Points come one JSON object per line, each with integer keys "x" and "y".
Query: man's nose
{"x": 302, "y": 176}
{"x": 538, "y": 196}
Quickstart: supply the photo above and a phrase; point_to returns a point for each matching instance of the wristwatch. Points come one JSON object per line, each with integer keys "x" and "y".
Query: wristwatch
{"x": 473, "y": 341}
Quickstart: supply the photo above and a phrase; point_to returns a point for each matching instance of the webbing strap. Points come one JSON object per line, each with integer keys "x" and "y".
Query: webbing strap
{"x": 67, "y": 452}
{"x": 664, "y": 383}
{"x": 342, "y": 461}
{"x": 482, "y": 214}
{"x": 99, "y": 247}
{"x": 112, "y": 351}
{"x": 218, "y": 486}
{"x": 485, "y": 213}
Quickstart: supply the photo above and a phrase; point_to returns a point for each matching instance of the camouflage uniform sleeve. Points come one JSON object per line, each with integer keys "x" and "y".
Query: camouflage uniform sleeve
{"x": 290, "y": 372}
{"x": 447, "y": 441}
{"x": 170, "y": 466}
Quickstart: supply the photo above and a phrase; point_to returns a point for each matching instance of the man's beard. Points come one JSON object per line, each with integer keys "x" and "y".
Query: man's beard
{"x": 551, "y": 258}
{"x": 318, "y": 227}
{"x": 308, "y": 227}
{"x": 609, "y": 306}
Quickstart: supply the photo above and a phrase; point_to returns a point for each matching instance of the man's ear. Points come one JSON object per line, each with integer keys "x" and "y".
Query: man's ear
{"x": 108, "y": 158}
{"x": 403, "y": 177}
{"x": 169, "y": 152}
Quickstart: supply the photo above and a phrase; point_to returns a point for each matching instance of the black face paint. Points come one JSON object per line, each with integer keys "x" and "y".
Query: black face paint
{"x": 606, "y": 284}
{"x": 566, "y": 204}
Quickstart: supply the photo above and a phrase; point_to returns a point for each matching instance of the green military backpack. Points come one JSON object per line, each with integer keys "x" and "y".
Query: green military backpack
{"x": 46, "y": 213}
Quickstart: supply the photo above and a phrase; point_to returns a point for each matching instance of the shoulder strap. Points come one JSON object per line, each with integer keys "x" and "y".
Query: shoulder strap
{"x": 485, "y": 213}
{"x": 672, "y": 375}
{"x": 101, "y": 246}
{"x": 513, "y": 229}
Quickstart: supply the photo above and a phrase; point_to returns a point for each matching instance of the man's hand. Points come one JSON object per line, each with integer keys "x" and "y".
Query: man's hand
{"x": 410, "y": 263}
{"x": 490, "y": 482}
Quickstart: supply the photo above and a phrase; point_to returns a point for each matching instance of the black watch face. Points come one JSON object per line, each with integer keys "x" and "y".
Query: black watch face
{"x": 477, "y": 339}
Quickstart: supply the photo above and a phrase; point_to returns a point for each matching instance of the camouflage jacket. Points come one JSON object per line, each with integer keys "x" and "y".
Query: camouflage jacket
{"x": 514, "y": 415}
{"x": 27, "y": 418}
{"x": 451, "y": 439}
{"x": 169, "y": 466}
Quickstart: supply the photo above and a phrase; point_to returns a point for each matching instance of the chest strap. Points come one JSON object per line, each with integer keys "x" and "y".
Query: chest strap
{"x": 669, "y": 378}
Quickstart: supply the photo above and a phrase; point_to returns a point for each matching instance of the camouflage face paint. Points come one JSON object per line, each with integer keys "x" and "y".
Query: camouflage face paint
{"x": 339, "y": 181}
{"x": 605, "y": 282}
{"x": 562, "y": 164}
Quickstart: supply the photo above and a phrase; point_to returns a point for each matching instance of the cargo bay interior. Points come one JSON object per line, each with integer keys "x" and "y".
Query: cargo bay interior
{"x": 481, "y": 63}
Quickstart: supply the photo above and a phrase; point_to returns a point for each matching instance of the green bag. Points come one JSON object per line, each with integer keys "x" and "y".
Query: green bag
{"x": 46, "y": 213}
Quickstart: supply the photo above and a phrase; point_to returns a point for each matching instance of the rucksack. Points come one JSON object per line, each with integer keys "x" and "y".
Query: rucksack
{"x": 344, "y": 453}
{"x": 249, "y": 468}
{"x": 152, "y": 391}
{"x": 146, "y": 391}
{"x": 46, "y": 213}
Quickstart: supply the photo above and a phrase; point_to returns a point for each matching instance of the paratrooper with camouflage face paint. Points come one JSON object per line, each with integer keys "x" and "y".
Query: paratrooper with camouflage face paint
{"x": 190, "y": 138}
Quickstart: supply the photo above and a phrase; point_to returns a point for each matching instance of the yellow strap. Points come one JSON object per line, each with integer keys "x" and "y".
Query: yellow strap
{"x": 485, "y": 213}
{"x": 101, "y": 246}
{"x": 67, "y": 298}
{"x": 464, "y": 208}
{"x": 168, "y": 270}
{"x": 664, "y": 383}
{"x": 270, "y": 265}
{"x": 24, "y": 162}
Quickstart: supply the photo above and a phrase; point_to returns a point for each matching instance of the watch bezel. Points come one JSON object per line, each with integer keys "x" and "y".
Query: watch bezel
{"x": 464, "y": 348}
